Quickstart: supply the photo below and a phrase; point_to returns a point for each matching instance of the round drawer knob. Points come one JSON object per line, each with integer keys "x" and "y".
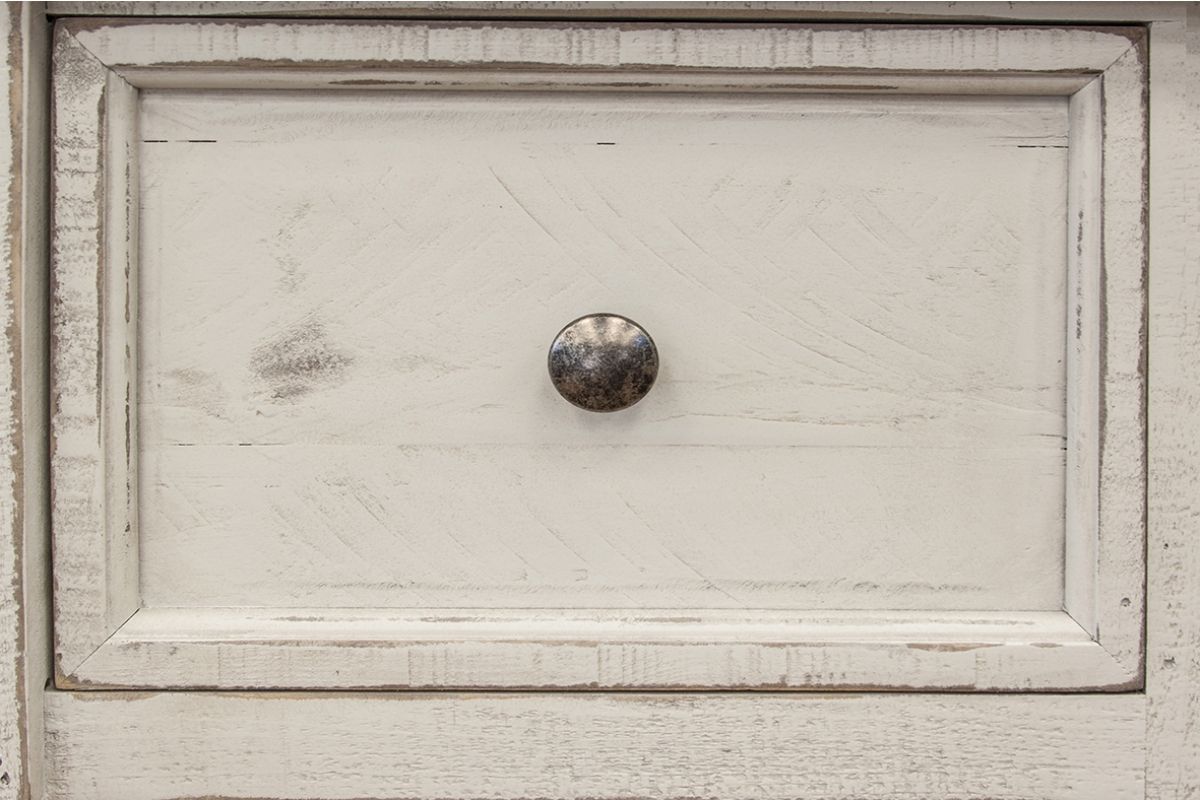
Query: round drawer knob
{"x": 603, "y": 362}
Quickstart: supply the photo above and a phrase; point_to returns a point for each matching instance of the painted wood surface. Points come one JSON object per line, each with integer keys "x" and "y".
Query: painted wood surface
{"x": 129, "y": 46}
{"x": 1121, "y": 422}
{"x": 1171, "y": 753}
{"x": 860, "y": 305}
{"x": 13, "y": 742}
{"x": 298, "y": 365}
{"x": 313, "y": 648}
{"x": 24, "y": 562}
{"x": 1173, "y": 632}
{"x": 646, "y": 746}
{"x": 93, "y": 529}
{"x": 752, "y": 10}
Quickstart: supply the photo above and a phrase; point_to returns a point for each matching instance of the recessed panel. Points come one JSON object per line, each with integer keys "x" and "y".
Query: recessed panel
{"x": 346, "y": 301}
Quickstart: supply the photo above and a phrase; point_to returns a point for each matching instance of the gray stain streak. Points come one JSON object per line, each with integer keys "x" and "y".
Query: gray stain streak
{"x": 298, "y": 360}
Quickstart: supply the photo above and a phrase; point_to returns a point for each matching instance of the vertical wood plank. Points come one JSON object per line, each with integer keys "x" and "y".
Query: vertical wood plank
{"x": 12, "y": 734}
{"x": 1120, "y": 579}
{"x": 1173, "y": 557}
{"x": 119, "y": 346}
{"x": 1084, "y": 253}
{"x": 24, "y": 557}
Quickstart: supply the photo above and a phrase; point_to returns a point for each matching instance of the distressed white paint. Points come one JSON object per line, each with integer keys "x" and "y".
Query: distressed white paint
{"x": 94, "y": 536}
{"x": 488, "y": 526}
{"x": 1084, "y": 251}
{"x": 1173, "y": 552}
{"x": 811, "y": 47}
{"x": 24, "y": 569}
{"x": 711, "y": 10}
{"x": 1120, "y": 585}
{"x": 588, "y": 746}
{"x": 840, "y": 363}
{"x": 253, "y": 474}
{"x": 389, "y": 79}
{"x": 12, "y": 733}
{"x": 683, "y": 649}
{"x": 1082, "y": 759}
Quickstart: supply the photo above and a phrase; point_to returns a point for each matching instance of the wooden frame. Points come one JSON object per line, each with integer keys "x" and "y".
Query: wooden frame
{"x": 105, "y": 639}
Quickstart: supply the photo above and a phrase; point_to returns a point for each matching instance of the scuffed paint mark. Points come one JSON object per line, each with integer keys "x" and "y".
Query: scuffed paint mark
{"x": 197, "y": 388}
{"x": 299, "y": 360}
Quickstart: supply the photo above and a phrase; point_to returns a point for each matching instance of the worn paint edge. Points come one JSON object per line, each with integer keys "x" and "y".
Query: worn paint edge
{"x": 13, "y": 381}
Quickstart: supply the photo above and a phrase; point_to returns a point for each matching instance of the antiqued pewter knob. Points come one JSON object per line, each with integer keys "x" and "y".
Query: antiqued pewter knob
{"x": 603, "y": 362}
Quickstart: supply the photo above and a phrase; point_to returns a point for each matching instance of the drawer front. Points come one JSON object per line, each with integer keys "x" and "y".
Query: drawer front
{"x": 305, "y": 433}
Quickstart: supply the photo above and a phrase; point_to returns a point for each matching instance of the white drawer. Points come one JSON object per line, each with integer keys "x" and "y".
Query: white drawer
{"x": 306, "y": 277}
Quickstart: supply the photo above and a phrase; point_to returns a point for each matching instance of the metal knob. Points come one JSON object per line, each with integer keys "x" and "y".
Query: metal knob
{"x": 603, "y": 362}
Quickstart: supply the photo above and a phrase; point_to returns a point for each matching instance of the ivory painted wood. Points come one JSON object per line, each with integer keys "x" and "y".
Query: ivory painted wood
{"x": 13, "y": 733}
{"x": 461, "y": 648}
{"x": 447, "y": 458}
{"x": 24, "y": 565}
{"x": 492, "y": 527}
{"x": 127, "y": 46}
{"x": 388, "y": 746}
{"x": 94, "y": 533}
{"x": 1173, "y": 597}
{"x": 1120, "y": 592}
{"x": 1091, "y": 749}
{"x": 981, "y": 428}
{"x": 1029, "y": 11}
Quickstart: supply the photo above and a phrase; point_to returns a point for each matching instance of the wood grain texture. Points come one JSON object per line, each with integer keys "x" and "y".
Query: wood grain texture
{"x": 1173, "y": 633}
{"x": 1121, "y": 416}
{"x": 633, "y": 80}
{"x": 24, "y": 562}
{"x": 492, "y": 527}
{"x": 94, "y": 535}
{"x": 1171, "y": 756}
{"x": 673, "y": 650}
{"x": 1084, "y": 330}
{"x": 201, "y": 461}
{"x": 755, "y": 10}
{"x": 12, "y": 734}
{"x": 645, "y": 746}
{"x": 1170, "y": 760}
{"x": 13, "y": 741}
{"x": 125, "y": 46}
{"x": 840, "y": 363}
